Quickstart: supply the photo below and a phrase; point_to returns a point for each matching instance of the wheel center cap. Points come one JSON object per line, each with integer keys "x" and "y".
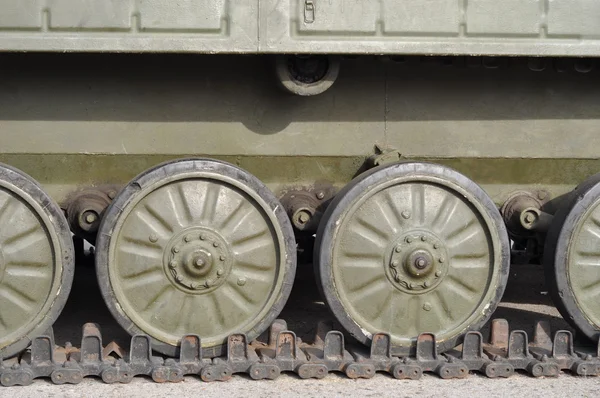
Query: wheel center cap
{"x": 417, "y": 262}
{"x": 197, "y": 260}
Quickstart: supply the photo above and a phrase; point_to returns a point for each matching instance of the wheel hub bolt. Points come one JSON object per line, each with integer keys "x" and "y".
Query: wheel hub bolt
{"x": 421, "y": 263}
{"x": 409, "y": 239}
{"x": 175, "y": 249}
{"x": 187, "y": 238}
{"x": 424, "y": 238}
{"x": 173, "y": 264}
{"x": 208, "y": 283}
{"x": 438, "y": 273}
{"x": 199, "y": 263}
{"x": 427, "y": 307}
{"x": 303, "y": 217}
{"x": 220, "y": 272}
{"x": 395, "y": 263}
{"x": 406, "y": 215}
{"x": 153, "y": 238}
{"x": 241, "y": 281}
{"x": 90, "y": 217}
{"x": 222, "y": 258}
{"x": 398, "y": 249}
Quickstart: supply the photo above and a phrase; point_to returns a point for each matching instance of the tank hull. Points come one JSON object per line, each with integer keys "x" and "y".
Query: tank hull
{"x": 91, "y": 120}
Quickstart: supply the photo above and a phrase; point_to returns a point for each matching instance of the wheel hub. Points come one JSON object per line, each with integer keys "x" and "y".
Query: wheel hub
{"x": 197, "y": 260}
{"x": 417, "y": 262}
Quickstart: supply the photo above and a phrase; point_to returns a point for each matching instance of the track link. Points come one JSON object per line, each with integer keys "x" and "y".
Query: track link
{"x": 504, "y": 354}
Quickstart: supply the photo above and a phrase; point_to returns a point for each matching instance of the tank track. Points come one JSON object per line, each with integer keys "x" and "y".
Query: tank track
{"x": 502, "y": 356}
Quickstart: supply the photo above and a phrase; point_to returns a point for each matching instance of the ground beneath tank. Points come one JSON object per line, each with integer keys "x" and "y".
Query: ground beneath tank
{"x": 526, "y": 300}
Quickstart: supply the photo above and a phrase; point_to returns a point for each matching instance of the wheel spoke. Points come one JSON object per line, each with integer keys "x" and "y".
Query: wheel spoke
{"x": 463, "y": 233}
{"x": 235, "y": 218}
{"x": 445, "y": 213}
{"x": 139, "y": 279}
{"x": 5, "y": 207}
{"x": 418, "y": 202}
{"x": 17, "y": 297}
{"x": 211, "y": 199}
{"x": 370, "y": 232}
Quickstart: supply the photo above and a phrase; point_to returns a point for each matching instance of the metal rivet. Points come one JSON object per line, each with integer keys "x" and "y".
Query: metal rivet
{"x": 173, "y": 264}
{"x": 179, "y": 278}
{"x": 408, "y": 239}
{"x": 241, "y": 281}
{"x": 411, "y": 286}
{"x": 436, "y": 245}
{"x": 153, "y": 238}
{"x": 320, "y": 195}
{"x": 112, "y": 194}
{"x": 216, "y": 244}
{"x": 425, "y": 284}
{"x": 398, "y": 249}
{"x": 202, "y": 237}
{"x": 220, "y": 272}
{"x": 187, "y": 238}
{"x": 208, "y": 283}
{"x": 424, "y": 238}
{"x": 406, "y": 214}
{"x": 438, "y": 273}
{"x": 193, "y": 286}
{"x": 222, "y": 258}
{"x": 395, "y": 263}
{"x": 175, "y": 249}
{"x": 441, "y": 259}
{"x": 427, "y": 307}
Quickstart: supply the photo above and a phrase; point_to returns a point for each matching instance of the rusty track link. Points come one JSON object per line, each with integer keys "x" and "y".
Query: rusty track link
{"x": 504, "y": 354}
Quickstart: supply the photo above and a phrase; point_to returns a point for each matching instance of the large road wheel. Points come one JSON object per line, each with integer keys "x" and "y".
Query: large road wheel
{"x": 411, "y": 248}
{"x": 572, "y": 258}
{"x": 36, "y": 261}
{"x": 195, "y": 246}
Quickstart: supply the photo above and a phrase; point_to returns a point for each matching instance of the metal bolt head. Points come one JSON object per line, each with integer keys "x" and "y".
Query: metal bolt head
{"x": 187, "y": 238}
{"x": 542, "y": 195}
{"x": 529, "y": 218}
{"x": 398, "y": 249}
{"x": 441, "y": 259}
{"x": 199, "y": 263}
{"x": 425, "y": 284}
{"x": 112, "y": 194}
{"x": 303, "y": 217}
{"x": 90, "y": 217}
{"x": 216, "y": 244}
{"x": 438, "y": 274}
{"x": 409, "y": 239}
{"x": 241, "y": 281}
{"x": 202, "y": 237}
{"x": 208, "y": 283}
{"x": 427, "y": 307}
{"x": 406, "y": 214}
{"x": 222, "y": 258}
{"x": 172, "y": 264}
{"x": 411, "y": 286}
{"x": 175, "y": 249}
{"x": 423, "y": 238}
{"x": 220, "y": 272}
{"x": 436, "y": 245}
{"x": 179, "y": 278}
{"x": 320, "y": 195}
{"x": 153, "y": 238}
{"x": 193, "y": 285}
{"x": 395, "y": 263}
